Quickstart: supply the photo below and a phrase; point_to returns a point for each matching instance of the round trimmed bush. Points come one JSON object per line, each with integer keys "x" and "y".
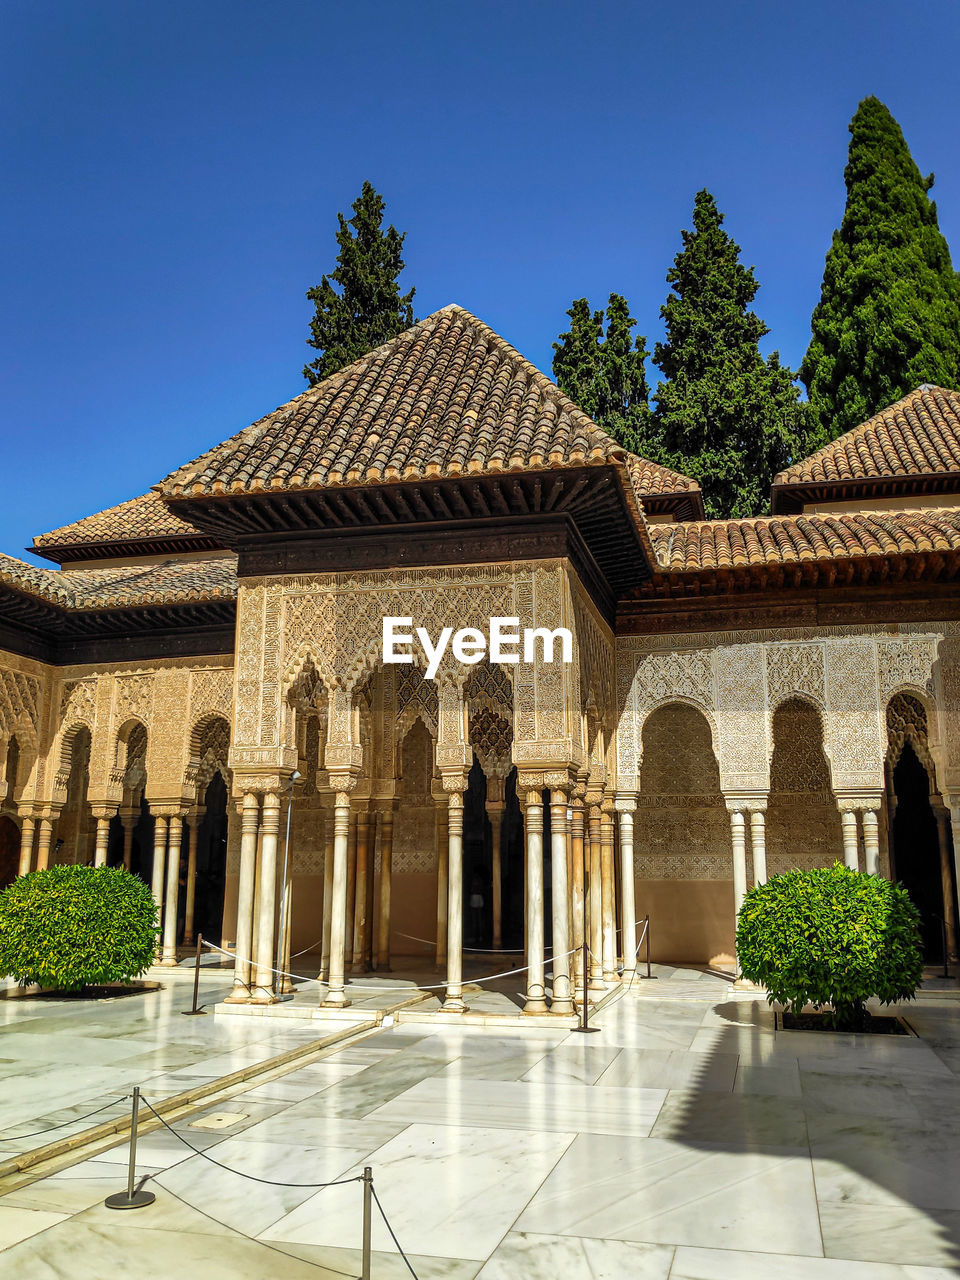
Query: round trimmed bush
{"x": 831, "y": 937}
{"x": 72, "y": 927}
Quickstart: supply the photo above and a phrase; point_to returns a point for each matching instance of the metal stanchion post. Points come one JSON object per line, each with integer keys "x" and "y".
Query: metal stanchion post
{"x": 367, "y": 1220}
{"x": 196, "y": 980}
{"x": 132, "y": 1198}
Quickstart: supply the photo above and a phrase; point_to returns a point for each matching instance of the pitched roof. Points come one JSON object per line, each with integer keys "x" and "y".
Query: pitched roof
{"x": 918, "y": 436}
{"x": 731, "y": 546}
{"x": 173, "y": 582}
{"x": 145, "y": 522}
{"x": 446, "y": 398}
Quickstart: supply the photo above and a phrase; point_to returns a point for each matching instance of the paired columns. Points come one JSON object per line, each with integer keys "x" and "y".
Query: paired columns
{"x": 860, "y": 813}
{"x": 36, "y": 828}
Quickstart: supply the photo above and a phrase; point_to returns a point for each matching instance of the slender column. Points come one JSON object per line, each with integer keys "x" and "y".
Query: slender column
{"x": 949, "y": 908}
{"x": 327, "y": 895}
{"x": 848, "y": 817}
{"x": 351, "y": 922}
{"x": 594, "y": 888}
{"x": 758, "y": 844}
{"x": 102, "y": 837}
{"x": 44, "y": 840}
{"x": 628, "y": 890}
{"x": 871, "y": 841}
{"x": 361, "y": 935}
{"x": 264, "y": 980}
{"x": 193, "y": 830}
{"x": 336, "y": 996}
{"x": 533, "y": 830}
{"x": 577, "y": 878}
{"x": 562, "y": 1001}
{"x": 249, "y": 838}
{"x": 608, "y": 904}
{"x": 26, "y": 846}
{"x": 159, "y": 858}
{"x": 953, "y": 808}
{"x": 443, "y": 861}
{"x": 174, "y": 840}
{"x": 128, "y": 818}
{"x": 453, "y": 1001}
{"x": 386, "y": 876}
{"x": 738, "y": 836}
{"x": 495, "y": 814}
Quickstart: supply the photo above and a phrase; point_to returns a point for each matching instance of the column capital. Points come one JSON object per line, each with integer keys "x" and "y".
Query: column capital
{"x": 745, "y": 801}
{"x": 625, "y": 801}
{"x": 103, "y": 812}
{"x": 855, "y": 801}
{"x": 453, "y": 781}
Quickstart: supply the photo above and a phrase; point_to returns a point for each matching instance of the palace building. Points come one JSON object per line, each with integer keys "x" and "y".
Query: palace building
{"x": 745, "y": 696}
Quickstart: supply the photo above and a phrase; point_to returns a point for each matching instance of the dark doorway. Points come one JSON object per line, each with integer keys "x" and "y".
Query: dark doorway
{"x": 512, "y": 863}
{"x": 477, "y": 862}
{"x": 916, "y": 850}
{"x": 9, "y": 851}
{"x": 211, "y": 862}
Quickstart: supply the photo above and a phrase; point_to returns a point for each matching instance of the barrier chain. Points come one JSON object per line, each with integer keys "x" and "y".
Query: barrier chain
{"x": 15, "y": 1137}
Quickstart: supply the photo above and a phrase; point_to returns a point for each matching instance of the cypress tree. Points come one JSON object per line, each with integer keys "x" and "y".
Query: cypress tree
{"x": 724, "y": 415}
{"x": 604, "y": 372}
{"x": 367, "y": 309}
{"x": 889, "y": 312}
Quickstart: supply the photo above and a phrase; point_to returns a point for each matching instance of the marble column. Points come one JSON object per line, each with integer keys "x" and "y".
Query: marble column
{"x": 174, "y": 841}
{"x": 336, "y": 996}
{"x": 102, "y": 840}
{"x": 578, "y": 897}
{"x": 628, "y": 886}
{"x": 128, "y": 818}
{"x": 249, "y": 838}
{"x": 453, "y": 1000}
{"x": 263, "y": 992}
{"x": 594, "y": 889}
{"x": 443, "y": 859}
{"x": 533, "y": 913}
{"x": 44, "y": 841}
{"x": 942, "y": 815}
{"x": 848, "y": 817}
{"x": 562, "y": 1001}
{"x": 159, "y": 858}
{"x": 871, "y": 841}
{"x": 26, "y": 845}
{"x": 361, "y": 933}
{"x": 758, "y": 845}
{"x": 351, "y": 923}
{"x": 608, "y": 896}
{"x": 327, "y": 894}
{"x": 495, "y": 807}
{"x": 738, "y": 837}
{"x": 193, "y": 835}
{"x": 386, "y": 886}
{"x": 952, "y": 801}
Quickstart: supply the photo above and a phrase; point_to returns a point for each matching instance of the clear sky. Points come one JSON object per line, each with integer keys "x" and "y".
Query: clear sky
{"x": 171, "y": 175}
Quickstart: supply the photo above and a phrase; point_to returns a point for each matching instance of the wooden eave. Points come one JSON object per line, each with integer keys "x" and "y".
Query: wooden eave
{"x": 789, "y": 499}
{"x": 166, "y": 545}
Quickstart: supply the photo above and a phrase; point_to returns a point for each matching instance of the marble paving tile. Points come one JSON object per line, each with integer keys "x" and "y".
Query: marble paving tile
{"x": 541, "y": 1257}
{"x": 886, "y": 1164}
{"x": 360, "y": 1094}
{"x": 322, "y": 1131}
{"x": 449, "y": 1193}
{"x": 659, "y": 1192}
{"x": 573, "y": 1063}
{"x": 857, "y": 1092}
{"x": 507, "y": 1104}
{"x": 18, "y": 1224}
{"x": 94, "y": 1251}
{"x": 68, "y": 1193}
{"x": 733, "y": 1264}
{"x": 158, "y": 1150}
{"x": 287, "y": 1089}
{"x": 877, "y": 1233}
{"x": 250, "y": 1207}
{"x": 671, "y": 1069}
{"x": 774, "y": 1081}
{"x": 89, "y": 1051}
{"x": 738, "y": 1120}
{"x": 499, "y": 1060}
{"x": 384, "y": 1266}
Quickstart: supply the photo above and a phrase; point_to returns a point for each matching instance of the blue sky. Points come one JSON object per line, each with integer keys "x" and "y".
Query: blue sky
{"x": 172, "y": 173}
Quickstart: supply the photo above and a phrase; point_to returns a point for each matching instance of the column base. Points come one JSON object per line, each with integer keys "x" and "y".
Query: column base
{"x": 454, "y": 1004}
{"x": 561, "y": 1006}
{"x": 535, "y": 1006}
{"x": 239, "y": 995}
{"x": 168, "y": 962}
{"x": 263, "y": 995}
{"x": 335, "y": 1000}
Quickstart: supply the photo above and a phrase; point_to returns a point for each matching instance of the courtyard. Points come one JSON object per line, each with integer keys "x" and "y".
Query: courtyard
{"x": 687, "y": 1139}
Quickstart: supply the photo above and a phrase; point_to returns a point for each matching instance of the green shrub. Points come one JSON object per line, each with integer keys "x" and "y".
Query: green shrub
{"x": 831, "y": 936}
{"x": 72, "y": 927}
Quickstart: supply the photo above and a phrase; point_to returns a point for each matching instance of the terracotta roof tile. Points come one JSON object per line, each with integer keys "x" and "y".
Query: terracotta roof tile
{"x": 919, "y": 435}
{"x": 446, "y": 398}
{"x": 693, "y": 547}
{"x": 173, "y": 582}
{"x": 144, "y": 519}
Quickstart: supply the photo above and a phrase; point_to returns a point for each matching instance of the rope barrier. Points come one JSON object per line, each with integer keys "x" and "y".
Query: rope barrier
{"x": 485, "y": 951}
{"x": 267, "y": 1182}
{"x": 11, "y": 1137}
{"x": 393, "y": 1235}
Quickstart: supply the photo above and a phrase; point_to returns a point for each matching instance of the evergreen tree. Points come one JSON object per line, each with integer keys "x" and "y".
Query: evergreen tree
{"x": 724, "y": 415}
{"x": 368, "y": 309}
{"x": 889, "y": 312}
{"x": 604, "y": 373}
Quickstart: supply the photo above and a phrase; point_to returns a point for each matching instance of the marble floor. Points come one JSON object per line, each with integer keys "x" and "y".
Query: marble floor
{"x": 686, "y": 1140}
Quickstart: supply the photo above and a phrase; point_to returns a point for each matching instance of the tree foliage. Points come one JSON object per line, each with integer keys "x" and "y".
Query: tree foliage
{"x": 831, "y": 936}
{"x": 74, "y": 926}
{"x": 359, "y": 306}
{"x": 603, "y": 372}
{"x": 889, "y": 312}
{"x": 724, "y": 414}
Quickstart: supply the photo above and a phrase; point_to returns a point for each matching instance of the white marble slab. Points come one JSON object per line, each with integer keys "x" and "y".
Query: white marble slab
{"x": 879, "y": 1232}
{"x": 672, "y": 1069}
{"x": 541, "y": 1257}
{"x": 18, "y": 1224}
{"x": 734, "y": 1264}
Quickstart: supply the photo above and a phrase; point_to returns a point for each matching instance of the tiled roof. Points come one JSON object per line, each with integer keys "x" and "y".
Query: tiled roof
{"x": 173, "y": 582}
{"x": 917, "y": 436}
{"x": 146, "y": 519}
{"x": 447, "y": 398}
{"x": 652, "y": 480}
{"x": 732, "y": 545}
